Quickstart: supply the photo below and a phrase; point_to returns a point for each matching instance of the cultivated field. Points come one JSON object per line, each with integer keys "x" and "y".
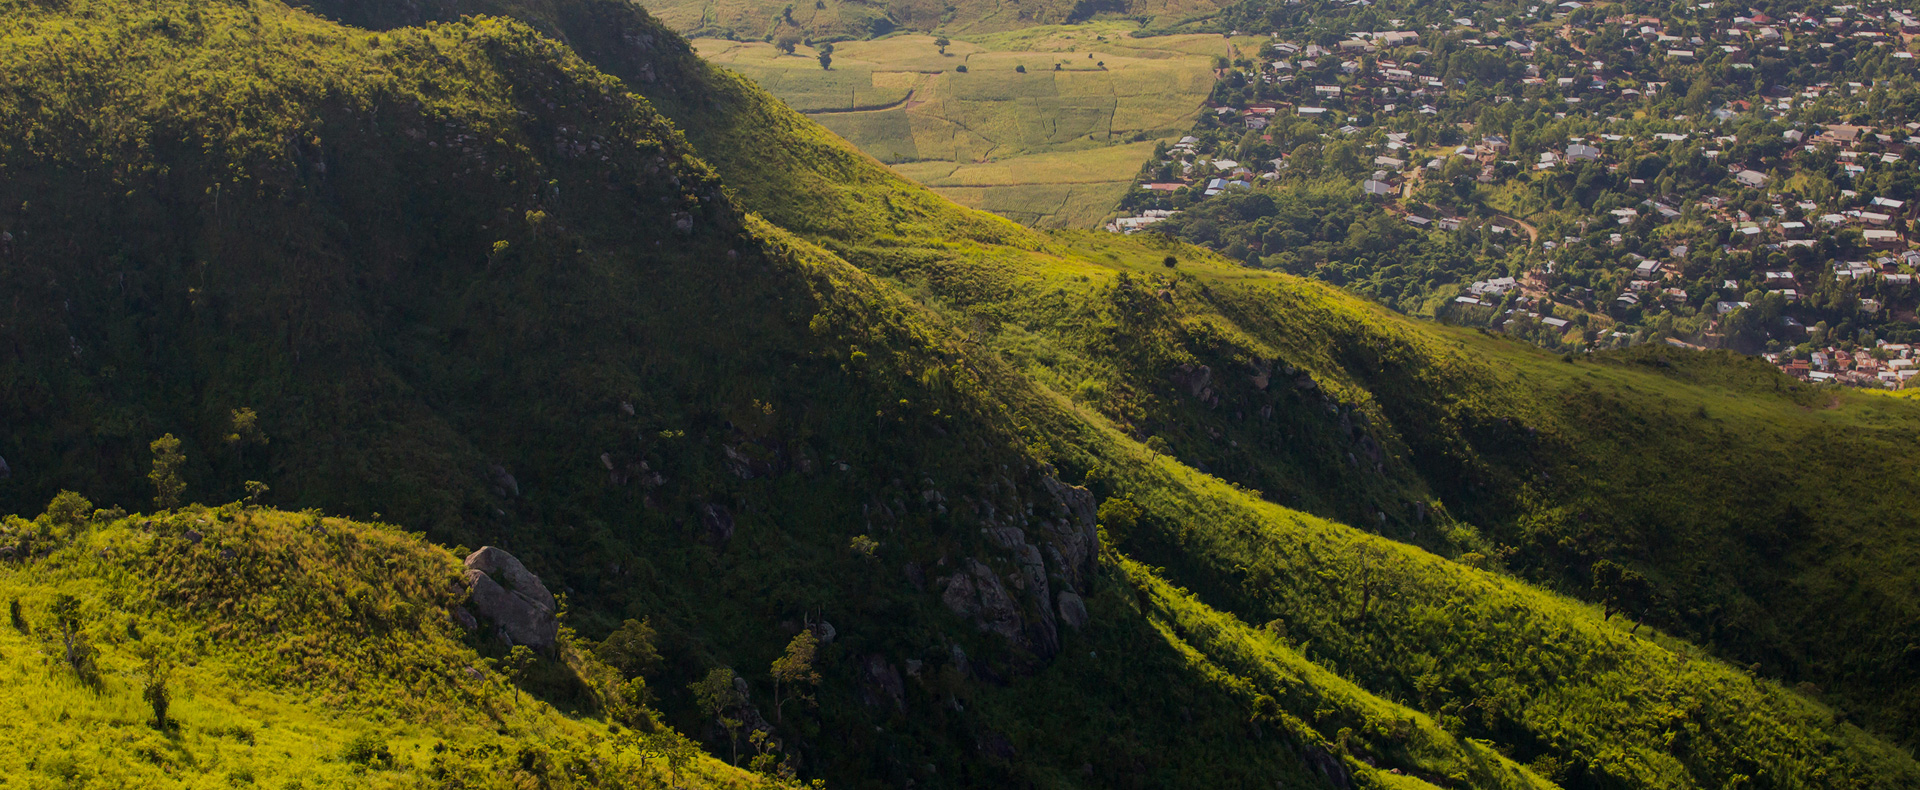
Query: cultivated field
{"x": 829, "y": 19}
{"x": 1053, "y": 146}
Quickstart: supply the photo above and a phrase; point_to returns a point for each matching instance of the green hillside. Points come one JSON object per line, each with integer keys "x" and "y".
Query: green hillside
{"x": 699, "y": 363}
{"x": 290, "y": 650}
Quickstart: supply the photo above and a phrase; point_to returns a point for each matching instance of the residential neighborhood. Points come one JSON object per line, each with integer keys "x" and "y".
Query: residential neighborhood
{"x": 1732, "y": 178}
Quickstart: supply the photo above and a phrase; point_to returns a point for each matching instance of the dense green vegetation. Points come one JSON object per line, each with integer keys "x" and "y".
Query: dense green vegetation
{"x": 1327, "y": 231}
{"x": 704, "y": 367}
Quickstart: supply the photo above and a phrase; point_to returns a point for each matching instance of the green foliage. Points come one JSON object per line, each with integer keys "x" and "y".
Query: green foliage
{"x": 246, "y": 429}
{"x": 863, "y": 545}
{"x": 719, "y": 699}
{"x": 1620, "y": 589}
{"x": 794, "y": 671}
{"x": 156, "y": 673}
{"x": 71, "y": 643}
{"x": 671, "y": 748}
{"x": 69, "y": 511}
{"x": 1330, "y": 231}
{"x": 518, "y": 663}
{"x": 630, "y": 649}
{"x": 167, "y": 460}
{"x": 1118, "y": 516}
{"x": 368, "y": 749}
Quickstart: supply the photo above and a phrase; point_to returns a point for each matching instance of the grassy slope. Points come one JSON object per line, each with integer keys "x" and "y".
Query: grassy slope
{"x": 1210, "y": 536}
{"x": 1461, "y": 404}
{"x": 339, "y": 633}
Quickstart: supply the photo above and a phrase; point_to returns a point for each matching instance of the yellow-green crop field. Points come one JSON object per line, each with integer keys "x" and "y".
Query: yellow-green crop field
{"x": 840, "y": 19}
{"x": 1054, "y": 146}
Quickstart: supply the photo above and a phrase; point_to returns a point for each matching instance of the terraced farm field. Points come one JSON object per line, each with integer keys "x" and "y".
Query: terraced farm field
{"x": 1054, "y": 145}
{"x": 840, "y": 19}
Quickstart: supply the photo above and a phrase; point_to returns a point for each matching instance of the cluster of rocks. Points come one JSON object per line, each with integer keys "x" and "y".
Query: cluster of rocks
{"x": 1049, "y": 558}
{"x": 501, "y": 591}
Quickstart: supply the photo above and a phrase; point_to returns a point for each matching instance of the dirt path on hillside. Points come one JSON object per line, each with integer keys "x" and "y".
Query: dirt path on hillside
{"x": 1533, "y": 233}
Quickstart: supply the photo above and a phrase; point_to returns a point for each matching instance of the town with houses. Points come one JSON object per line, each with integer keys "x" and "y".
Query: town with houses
{"x": 1730, "y": 178}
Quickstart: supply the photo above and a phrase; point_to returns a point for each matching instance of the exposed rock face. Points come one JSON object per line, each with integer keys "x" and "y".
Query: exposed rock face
{"x": 977, "y": 594}
{"x": 1074, "y": 534}
{"x": 718, "y": 522}
{"x": 881, "y": 685}
{"x": 502, "y": 482}
{"x": 511, "y": 597}
{"x": 1193, "y": 377}
{"x": 1055, "y": 552}
{"x": 1043, "y": 636}
{"x": 1330, "y": 767}
{"x": 1073, "y": 611}
{"x": 5, "y": 470}
{"x": 1262, "y": 374}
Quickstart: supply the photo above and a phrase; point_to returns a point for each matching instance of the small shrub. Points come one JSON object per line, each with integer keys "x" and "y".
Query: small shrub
{"x": 75, "y": 650}
{"x": 154, "y": 690}
{"x": 369, "y": 750}
{"x": 962, "y": 68}
{"x": 19, "y": 617}
{"x": 69, "y": 510}
{"x": 1170, "y": 261}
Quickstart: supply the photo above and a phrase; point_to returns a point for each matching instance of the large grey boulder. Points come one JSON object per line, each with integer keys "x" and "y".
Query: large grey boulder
{"x": 505, "y": 593}
{"x": 1073, "y": 610}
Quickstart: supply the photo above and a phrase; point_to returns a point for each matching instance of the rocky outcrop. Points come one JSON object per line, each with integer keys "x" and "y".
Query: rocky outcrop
{"x": 1262, "y": 374}
{"x": 976, "y": 593}
{"x": 503, "y": 592}
{"x": 5, "y": 470}
{"x": 501, "y": 482}
{"x": 1072, "y": 528}
{"x": 1051, "y": 547}
{"x": 1073, "y": 611}
{"x": 1330, "y": 767}
{"x": 1193, "y": 378}
{"x": 880, "y": 684}
{"x": 717, "y": 522}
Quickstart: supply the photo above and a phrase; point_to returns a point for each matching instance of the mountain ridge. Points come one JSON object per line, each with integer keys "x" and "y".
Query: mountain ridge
{"x": 682, "y": 411}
